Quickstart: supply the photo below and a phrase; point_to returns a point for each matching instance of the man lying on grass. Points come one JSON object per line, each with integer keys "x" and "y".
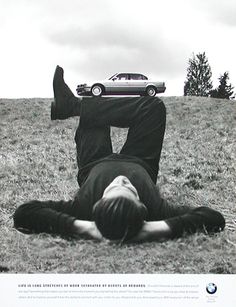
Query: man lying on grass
{"x": 118, "y": 198}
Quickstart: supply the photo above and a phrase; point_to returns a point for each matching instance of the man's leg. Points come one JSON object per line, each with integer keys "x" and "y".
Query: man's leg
{"x": 92, "y": 144}
{"x": 65, "y": 103}
{"x": 145, "y": 136}
{"x": 145, "y": 117}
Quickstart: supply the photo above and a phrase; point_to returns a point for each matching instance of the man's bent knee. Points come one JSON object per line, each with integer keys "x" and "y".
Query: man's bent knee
{"x": 157, "y": 108}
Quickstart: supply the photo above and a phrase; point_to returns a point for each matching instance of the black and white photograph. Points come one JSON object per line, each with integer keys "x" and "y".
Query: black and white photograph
{"x": 117, "y": 152}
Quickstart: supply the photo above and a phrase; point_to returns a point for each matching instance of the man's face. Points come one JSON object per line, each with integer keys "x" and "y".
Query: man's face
{"x": 121, "y": 186}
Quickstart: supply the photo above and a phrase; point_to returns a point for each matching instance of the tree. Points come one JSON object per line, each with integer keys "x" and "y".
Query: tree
{"x": 224, "y": 90}
{"x": 199, "y": 74}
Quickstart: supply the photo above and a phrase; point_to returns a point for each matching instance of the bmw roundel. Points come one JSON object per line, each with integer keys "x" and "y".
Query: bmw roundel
{"x": 211, "y": 288}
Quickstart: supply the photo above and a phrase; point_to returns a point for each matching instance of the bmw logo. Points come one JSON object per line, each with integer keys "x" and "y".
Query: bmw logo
{"x": 211, "y": 288}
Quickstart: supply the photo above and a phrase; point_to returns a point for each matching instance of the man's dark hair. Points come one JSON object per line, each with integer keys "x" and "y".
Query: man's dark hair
{"x": 119, "y": 218}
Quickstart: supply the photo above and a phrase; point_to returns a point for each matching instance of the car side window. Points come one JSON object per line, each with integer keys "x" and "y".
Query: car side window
{"x": 122, "y": 77}
{"x": 142, "y": 77}
{"x": 134, "y": 77}
{"x": 137, "y": 77}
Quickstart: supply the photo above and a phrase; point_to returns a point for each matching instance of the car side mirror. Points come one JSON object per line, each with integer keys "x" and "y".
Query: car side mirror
{"x": 114, "y": 79}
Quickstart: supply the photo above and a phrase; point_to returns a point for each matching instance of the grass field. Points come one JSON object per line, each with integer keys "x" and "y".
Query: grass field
{"x": 198, "y": 167}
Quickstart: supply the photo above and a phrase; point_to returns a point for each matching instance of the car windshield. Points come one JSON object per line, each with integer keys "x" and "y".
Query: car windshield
{"x": 112, "y": 77}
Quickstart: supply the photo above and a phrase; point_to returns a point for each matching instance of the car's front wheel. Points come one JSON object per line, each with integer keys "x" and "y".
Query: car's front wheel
{"x": 151, "y": 91}
{"x": 97, "y": 90}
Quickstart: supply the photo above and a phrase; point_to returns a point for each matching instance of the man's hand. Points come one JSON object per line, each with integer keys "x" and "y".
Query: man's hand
{"x": 153, "y": 231}
{"x": 87, "y": 230}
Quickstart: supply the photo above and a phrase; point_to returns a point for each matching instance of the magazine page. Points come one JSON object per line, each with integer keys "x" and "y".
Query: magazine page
{"x": 117, "y": 153}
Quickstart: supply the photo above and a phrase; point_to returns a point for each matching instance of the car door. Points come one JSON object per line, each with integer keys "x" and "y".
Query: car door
{"x": 117, "y": 84}
{"x": 121, "y": 84}
{"x": 137, "y": 83}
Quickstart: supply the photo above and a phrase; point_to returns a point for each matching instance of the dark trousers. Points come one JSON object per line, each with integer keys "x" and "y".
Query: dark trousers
{"x": 145, "y": 117}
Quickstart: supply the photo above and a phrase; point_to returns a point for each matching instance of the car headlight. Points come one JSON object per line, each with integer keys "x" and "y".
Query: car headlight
{"x": 81, "y": 85}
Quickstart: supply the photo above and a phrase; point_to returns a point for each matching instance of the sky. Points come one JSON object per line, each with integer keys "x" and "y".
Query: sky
{"x": 94, "y": 39}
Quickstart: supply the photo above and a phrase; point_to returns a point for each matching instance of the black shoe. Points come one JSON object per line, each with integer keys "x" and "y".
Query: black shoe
{"x": 64, "y": 100}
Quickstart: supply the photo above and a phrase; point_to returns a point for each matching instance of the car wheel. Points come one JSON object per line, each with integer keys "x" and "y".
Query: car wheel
{"x": 151, "y": 91}
{"x": 96, "y": 90}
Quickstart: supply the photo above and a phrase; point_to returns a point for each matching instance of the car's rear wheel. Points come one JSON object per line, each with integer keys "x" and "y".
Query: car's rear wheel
{"x": 97, "y": 90}
{"x": 151, "y": 91}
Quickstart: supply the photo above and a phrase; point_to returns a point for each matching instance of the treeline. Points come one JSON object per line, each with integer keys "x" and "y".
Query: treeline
{"x": 198, "y": 81}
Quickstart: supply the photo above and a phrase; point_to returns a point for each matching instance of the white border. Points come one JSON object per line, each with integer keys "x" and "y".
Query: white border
{"x": 101, "y": 290}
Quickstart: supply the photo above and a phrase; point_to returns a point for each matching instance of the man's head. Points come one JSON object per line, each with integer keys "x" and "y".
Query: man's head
{"x": 119, "y": 214}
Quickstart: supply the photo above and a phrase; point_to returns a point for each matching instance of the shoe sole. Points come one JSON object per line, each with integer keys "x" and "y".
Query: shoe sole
{"x": 58, "y": 73}
{"x": 53, "y": 111}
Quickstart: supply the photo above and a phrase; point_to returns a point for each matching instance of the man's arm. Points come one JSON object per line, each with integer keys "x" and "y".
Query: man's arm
{"x": 44, "y": 216}
{"x": 53, "y": 217}
{"x": 202, "y": 219}
{"x": 153, "y": 231}
{"x": 86, "y": 230}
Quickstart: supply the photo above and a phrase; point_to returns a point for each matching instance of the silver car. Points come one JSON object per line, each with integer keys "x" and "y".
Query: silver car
{"x": 122, "y": 84}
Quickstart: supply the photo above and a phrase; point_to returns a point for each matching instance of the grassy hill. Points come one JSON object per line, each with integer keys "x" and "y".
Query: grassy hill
{"x": 198, "y": 167}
